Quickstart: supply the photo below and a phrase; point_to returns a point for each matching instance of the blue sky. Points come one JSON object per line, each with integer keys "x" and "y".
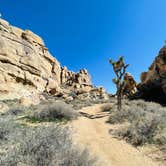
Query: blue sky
{"x": 86, "y": 33}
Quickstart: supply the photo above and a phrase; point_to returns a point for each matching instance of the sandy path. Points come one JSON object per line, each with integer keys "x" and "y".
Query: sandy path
{"x": 93, "y": 133}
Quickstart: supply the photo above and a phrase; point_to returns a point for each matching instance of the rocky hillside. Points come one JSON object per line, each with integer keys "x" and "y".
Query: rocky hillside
{"x": 27, "y": 67}
{"x": 153, "y": 82}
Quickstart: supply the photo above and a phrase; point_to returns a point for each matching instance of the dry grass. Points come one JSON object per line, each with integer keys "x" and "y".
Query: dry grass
{"x": 53, "y": 111}
{"x": 79, "y": 104}
{"x": 16, "y": 110}
{"x": 45, "y": 146}
{"x": 147, "y": 122}
{"x": 5, "y": 128}
{"x": 22, "y": 145}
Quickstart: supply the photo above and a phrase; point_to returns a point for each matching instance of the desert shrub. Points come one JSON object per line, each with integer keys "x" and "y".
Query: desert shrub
{"x": 9, "y": 131}
{"x": 134, "y": 110}
{"x": 16, "y": 110}
{"x": 4, "y": 131}
{"x": 147, "y": 122}
{"x": 145, "y": 130}
{"x": 7, "y": 126}
{"x": 80, "y": 103}
{"x": 107, "y": 107}
{"x": 11, "y": 102}
{"x": 46, "y": 146}
{"x": 54, "y": 111}
{"x": 126, "y": 114}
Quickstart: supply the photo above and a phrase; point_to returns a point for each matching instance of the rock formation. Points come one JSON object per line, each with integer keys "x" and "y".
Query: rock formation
{"x": 153, "y": 82}
{"x": 71, "y": 78}
{"x": 130, "y": 85}
{"x": 27, "y": 67}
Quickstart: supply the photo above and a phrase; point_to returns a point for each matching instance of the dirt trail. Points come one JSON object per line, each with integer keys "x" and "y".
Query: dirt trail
{"x": 92, "y": 131}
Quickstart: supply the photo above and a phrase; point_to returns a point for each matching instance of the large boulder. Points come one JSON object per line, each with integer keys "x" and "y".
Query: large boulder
{"x": 130, "y": 85}
{"x": 153, "y": 82}
{"x": 80, "y": 78}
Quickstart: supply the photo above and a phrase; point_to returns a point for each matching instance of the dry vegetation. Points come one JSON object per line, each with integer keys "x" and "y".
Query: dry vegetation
{"x": 79, "y": 104}
{"x": 146, "y": 122}
{"x": 81, "y": 100}
{"x": 141, "y": 124}
{"x": 51, "y": 145}
{"x": 52, "y": 111}
{"x": 45, "y": 146}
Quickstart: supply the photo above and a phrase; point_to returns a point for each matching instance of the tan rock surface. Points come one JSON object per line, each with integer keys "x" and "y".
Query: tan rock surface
{"x": 26, "y": 65}
{"x": 130, "y": 85}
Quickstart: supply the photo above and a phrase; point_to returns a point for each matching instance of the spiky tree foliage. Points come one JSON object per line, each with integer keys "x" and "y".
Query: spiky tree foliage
{"x": 120, "y": 70}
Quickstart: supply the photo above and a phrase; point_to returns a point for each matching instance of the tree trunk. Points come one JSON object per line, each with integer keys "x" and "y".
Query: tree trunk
{"x": 119, "y": 98}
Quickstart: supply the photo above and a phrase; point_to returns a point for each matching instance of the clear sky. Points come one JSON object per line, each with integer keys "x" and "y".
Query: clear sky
{"x": 86, "y": 33}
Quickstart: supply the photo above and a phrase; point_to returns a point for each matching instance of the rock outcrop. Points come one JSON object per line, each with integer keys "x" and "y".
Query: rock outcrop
{"x": 130, "y": 85}
{"x": 27, "y": 67}
{"x": 71, "y": 78}
{"x": 153, "y": 82}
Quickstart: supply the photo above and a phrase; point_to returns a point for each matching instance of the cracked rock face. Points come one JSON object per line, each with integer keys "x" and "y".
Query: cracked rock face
{"x": 27, "y": 67}
{"x": 153, "y": 82}
{"x": 71, "y": 78}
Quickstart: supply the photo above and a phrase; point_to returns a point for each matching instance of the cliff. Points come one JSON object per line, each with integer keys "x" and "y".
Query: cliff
{"x": 27, "y": 67}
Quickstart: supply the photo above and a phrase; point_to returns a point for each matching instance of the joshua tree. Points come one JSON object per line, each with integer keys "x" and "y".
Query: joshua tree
{"x": 120, "y": 70}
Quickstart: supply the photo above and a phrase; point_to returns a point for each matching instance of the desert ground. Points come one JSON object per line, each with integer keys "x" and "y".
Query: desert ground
{"x": 92, "y": 131}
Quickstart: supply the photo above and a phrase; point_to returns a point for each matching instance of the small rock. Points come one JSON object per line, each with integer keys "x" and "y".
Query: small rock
{"x": 3, "y": 108}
